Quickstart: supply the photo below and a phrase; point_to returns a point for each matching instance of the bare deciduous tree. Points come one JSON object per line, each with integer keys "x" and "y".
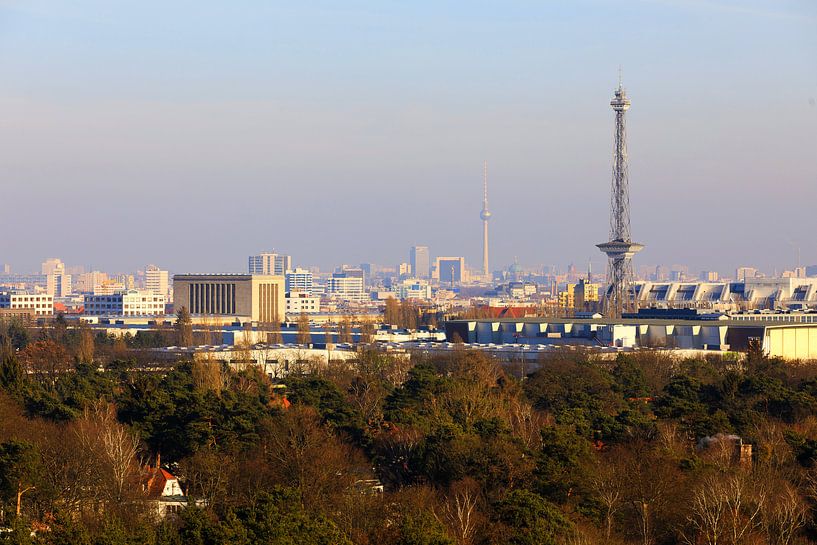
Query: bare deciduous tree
{"x": 725, "y": 508}
{"x": 304, "y": 453}
{"x": 85, "y": 349}
{"x": 304, "y": 336}
{"x": 609, "y": 488}
{"x": 112, "y": 447}
{"x": 461, "y": 513}
{"x": 785, "y": 516}
{"x": 45, "y": 360}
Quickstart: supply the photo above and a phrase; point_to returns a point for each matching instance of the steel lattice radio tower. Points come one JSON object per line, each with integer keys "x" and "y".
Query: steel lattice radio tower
{"x": 620, "y": 296}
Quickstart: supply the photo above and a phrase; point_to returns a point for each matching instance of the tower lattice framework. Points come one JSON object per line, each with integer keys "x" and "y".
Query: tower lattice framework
{"x": 620, "y": 295}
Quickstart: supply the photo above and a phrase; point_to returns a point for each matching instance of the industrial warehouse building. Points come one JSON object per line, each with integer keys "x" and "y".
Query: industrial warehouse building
{"x": 786, "y": 335}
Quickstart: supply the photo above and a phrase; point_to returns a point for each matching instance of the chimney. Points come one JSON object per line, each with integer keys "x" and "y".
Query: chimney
{"x": 743, "y": 453}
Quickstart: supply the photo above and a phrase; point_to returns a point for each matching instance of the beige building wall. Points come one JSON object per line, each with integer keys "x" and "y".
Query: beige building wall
{"x": 253, "y": 297}
{"x": 792, "y": 342}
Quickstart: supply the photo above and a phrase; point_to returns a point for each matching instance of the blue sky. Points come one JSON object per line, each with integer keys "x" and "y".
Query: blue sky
{"x": 191, "y": 134}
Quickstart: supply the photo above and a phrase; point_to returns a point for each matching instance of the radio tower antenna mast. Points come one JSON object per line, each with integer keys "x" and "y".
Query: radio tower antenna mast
{"x": 620, "y": 296}
{"x": 485, "y": 215}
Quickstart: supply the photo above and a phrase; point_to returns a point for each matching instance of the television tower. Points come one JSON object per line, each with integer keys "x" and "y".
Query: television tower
{"x": 485, "y": 215}
{"x": 620, "y": 296}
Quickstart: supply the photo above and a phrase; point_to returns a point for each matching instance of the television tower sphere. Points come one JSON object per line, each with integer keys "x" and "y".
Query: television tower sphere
{"x": 485, "y": 215}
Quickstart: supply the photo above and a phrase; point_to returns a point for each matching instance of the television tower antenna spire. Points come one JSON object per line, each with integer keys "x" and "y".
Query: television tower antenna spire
{"x": 620, "y": 296}
{"x": 485, "y": 215}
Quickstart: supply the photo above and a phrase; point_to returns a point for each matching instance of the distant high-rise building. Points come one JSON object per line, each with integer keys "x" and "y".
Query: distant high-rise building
{"x": 420, "y": 261}
{"x": 90, "y": 282}
{"x": 367, "y": 269}
{"x": 354, "y": 272}
{"x": 269, "y": 263}
{"x": 404, "y": 269}
{"x": 743, "y": 273}
{"x": 299, "y": 280}
{"x": 52, "y": 265}
{"x": 709, "y": 276}
{"x": 811, "y": 270}
{"x": 6, "y": 268}
{"x": 450, "y": 270}
{"x": 157, "y": 280}
{"x": 661, "y": 273}
{"x": 586, "y": 295}
{"x": 58, "y": 283}
{"x": 346, "y": 286}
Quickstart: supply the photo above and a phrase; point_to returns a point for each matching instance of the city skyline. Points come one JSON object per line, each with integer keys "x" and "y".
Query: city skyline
{"x": 386, "y": 150}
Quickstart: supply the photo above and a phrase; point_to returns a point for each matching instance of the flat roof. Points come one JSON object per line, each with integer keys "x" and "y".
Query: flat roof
{"x": 636, "y": 321}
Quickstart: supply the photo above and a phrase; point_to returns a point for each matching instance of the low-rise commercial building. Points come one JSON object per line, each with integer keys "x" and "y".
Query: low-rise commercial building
{"x": 42, "y": 304}
{"x": 126, "y": 303}
{"x": 299, "y": 302}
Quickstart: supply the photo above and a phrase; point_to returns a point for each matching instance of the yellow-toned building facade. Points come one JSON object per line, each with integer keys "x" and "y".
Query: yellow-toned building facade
{"x": 250, "y": 297}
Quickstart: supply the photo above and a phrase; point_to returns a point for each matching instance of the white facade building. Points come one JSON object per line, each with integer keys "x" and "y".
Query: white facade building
{"x": 299, "y": 302}
{"x": 299, "y": 280}
{"x": 157, "y": 280}
{"x": 58, "y": 283}
{"x": 345, "y": 287}
{"x": 126, "y": 303}
{"x": 41, "y": 303}
{"x": 269, "y": 264}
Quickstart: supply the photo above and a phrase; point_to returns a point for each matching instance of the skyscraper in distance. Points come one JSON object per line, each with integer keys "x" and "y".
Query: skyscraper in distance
{"x": 269, "y": 263}
{"x": 420, "y": 261}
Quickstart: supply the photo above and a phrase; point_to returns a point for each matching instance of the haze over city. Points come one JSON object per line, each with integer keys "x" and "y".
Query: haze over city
{"x": 194, "y": 134}
{"x": 496, "y": 272}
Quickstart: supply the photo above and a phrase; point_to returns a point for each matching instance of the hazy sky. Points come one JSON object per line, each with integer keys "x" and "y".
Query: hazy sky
{"x": 193, "y": 133}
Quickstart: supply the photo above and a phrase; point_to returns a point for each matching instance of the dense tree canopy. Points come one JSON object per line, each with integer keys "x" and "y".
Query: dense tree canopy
{"x": 399, "y": 449}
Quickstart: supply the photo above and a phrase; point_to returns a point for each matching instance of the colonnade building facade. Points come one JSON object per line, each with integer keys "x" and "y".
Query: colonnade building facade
{"x": 246, "y": 297}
